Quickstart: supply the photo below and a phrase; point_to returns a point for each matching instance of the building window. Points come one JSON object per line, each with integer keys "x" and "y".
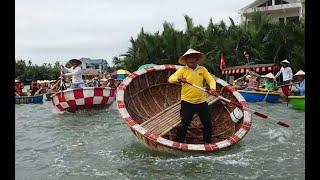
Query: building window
{"x": 277, "y": 2}
{"x": 281, "y": 20}
{"x": 294, "y": 19}
{"x": 267, "y": 3}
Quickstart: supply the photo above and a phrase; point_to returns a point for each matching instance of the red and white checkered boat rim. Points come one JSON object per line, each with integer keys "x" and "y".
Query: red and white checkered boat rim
{"x": 82, "y": 98}
{"x": 141, "y": 132}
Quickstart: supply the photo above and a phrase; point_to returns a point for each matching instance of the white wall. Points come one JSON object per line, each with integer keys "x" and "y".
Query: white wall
{"x": 280, "y": 14}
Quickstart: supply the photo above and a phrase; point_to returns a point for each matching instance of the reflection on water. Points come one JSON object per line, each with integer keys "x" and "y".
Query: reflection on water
{"x": 98, "y": 145}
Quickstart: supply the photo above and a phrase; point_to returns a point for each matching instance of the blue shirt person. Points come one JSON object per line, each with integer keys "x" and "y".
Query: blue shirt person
{"x": 300, "y": 88}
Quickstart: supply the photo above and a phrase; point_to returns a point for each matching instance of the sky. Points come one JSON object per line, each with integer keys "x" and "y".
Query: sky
{"x": 47, "y": 31}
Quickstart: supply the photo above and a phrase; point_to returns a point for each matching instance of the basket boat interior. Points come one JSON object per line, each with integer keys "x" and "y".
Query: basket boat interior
{"x": 155, "y": 105}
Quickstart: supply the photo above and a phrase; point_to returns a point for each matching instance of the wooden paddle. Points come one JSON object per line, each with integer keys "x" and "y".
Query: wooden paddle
{"x": 60, "y": 89}
{"x": 265, "y": 97}
{"x": 291, "y": 83}
{"x": 240, "y": 106}
{"x": 61, "y": 77}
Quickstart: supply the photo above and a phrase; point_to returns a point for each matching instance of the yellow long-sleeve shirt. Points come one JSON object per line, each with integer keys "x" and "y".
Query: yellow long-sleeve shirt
{"x": 197, "y": 77}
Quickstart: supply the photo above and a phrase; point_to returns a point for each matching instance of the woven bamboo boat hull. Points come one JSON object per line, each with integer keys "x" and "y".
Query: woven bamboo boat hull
{"x": 38, "y": 99}
{"x": 297, "y": 102}
{"x": 72, "y": 100}
{"x": 258, "y": 96}
{"x": 146, "y": 96}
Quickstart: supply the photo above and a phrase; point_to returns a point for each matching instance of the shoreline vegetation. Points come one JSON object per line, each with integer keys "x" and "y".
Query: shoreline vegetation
{"x": 265, "y": 41}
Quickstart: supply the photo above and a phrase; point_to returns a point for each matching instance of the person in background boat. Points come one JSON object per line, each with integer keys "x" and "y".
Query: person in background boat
{"x": 52, "y": 88}
{"x": 299, "y": 90}
{"x": 52, "y": 83}
{"x": 18, "y": 86}
{"x": 88, "y": 83}
{"x": 57, "y": 86}
{"x": 117, "y": 82}
{"x": 286, "y": 72}
{"x": 193, "y": 100}
{"x": 68, "y": 82}
{"x": 35, "y": 87}
{"x": 269, "y": 82}
{"x": 45, "y": 86}
{"x": 95, "y": 81}
{"x": 104, "y": 83}
{"x": 111, "y": 83}
{"x": 106, "y": 75}
{"x": 240, "y": 83}
{"x": 76, "y": 72}
{"x": 253, "y": 83}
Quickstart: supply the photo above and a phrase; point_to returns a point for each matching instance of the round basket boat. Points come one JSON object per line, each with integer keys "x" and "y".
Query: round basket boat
{"x": 150, "y": 106}
{"x": 297, "y": 102}
{"x": 72, "y": 100}
{"x": 36, "y": 99}
{"x": 258, "y": 96}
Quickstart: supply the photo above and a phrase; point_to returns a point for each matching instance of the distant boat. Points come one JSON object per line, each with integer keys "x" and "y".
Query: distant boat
{"x": 297, "y": 102}
{"x": 37, "y": 99}
{"x": 258, "y": 96}
{"x": 150, "y": 106}
{"x": 72, "y": 100}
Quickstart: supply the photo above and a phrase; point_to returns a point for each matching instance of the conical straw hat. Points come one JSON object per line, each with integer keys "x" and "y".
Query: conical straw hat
{"x": 285, "y": 61}
{"x": 76, "y": 61}
{"x": 269, "y": 75}
{"x": 201, "y": 56}
{"x": 300, "y": 72}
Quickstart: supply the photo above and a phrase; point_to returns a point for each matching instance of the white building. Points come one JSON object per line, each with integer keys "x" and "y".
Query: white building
{"x": 100, "y": 65}
{"x": 279, "y": 10}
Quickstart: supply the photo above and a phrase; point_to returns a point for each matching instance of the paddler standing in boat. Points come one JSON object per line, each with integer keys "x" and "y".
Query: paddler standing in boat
{"x": 286, "y": 72}
{"x": 193, "y": 100}
{"x": 76, "y": 72}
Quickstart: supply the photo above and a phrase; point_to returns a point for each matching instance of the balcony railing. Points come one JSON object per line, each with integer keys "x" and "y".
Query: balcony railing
{"x": 271, "y": 8}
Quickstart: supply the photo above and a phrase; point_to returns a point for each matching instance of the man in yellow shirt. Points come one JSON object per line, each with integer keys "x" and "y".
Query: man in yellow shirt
{"x": 193, "y": 100}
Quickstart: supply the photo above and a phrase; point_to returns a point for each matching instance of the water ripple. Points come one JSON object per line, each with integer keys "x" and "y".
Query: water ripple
{"x": 98, "y": 145}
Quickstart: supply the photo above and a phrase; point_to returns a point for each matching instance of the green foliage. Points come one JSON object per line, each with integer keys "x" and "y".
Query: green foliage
{"x": 266, "y": 41}
{"x": 29, "y": 71}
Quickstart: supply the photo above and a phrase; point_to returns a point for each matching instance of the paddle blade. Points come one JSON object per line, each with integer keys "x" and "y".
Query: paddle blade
{"x": 283, "y": 124}
{"x": 261, "y": 115}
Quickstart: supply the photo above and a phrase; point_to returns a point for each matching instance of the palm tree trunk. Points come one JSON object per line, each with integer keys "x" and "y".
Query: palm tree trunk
{"x": 276, "y": 54}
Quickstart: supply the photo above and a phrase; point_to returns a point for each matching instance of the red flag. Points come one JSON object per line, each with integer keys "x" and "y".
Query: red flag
{"x": 222, "y": 62}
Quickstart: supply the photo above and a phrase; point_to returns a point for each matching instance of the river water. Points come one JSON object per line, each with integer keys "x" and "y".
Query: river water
{"x": 97, "y": 144}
